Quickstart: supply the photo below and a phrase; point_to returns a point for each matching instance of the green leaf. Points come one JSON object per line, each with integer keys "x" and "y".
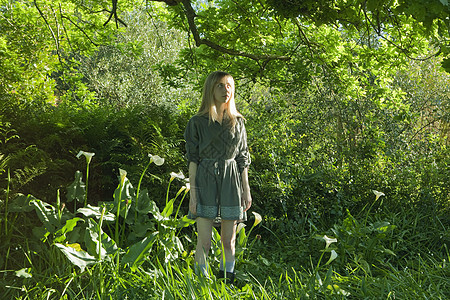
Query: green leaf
{"x": 185, "y": 222}
{"x": 168, "y": 210}
{"x": 47, "y": 214}
{"x": 77, "y": 189}
{"x": 172, "y": 247}
{"x": 79, "y": 258}
{"x": 91, "y": 239}
{"x": 446, "y": 64}
{"x": 125, "y": 194}
{"x": 328, "y": 277}
{"x": 145, "y": 205}
{"x": 137, "y": 252}
{"x": 40, "y": 232}
{"x": 140, "y": 228}
{"x": 70, "y": 225}
{"x": 383, "y": 227}
{"x": 242, "y": 237}
{"x": 388, "y": 251}
{"x": 21, "y": 203}
{"x": 95, "y": 211}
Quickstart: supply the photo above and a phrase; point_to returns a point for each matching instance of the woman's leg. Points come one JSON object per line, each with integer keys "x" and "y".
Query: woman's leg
{"x": 228, "y": 238}
{"x": 204, "y": 232}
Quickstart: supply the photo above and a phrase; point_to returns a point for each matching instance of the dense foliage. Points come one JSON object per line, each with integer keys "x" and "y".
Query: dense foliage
{"x": 347, "y": 108}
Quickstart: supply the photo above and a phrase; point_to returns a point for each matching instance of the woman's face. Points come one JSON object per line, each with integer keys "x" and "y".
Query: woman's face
{"x": 223, "y": 90}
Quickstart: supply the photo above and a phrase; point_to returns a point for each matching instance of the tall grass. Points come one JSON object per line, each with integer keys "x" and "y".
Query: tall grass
{"x": 369, "y": 256}
{"x": 422, "y": 276}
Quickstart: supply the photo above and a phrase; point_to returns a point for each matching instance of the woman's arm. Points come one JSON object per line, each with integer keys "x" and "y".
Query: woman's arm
{"x": 246, "y": 196}
{"x": 192, "y": 193}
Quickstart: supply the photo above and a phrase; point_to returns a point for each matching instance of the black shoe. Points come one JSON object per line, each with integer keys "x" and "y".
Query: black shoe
{"x": 229, "y": 276}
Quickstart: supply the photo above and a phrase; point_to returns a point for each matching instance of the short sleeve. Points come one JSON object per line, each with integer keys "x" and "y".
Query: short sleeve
{"x": 243, "y": 159}
{"x": 191, "y": 135}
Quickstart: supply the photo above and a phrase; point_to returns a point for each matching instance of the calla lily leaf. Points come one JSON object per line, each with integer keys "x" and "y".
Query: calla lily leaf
{"x": 95, "y": 211}
{"x": 81, "y": 259}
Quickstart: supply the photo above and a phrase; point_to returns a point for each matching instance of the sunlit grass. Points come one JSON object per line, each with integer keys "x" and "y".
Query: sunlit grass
{"x": 380, "y": 256}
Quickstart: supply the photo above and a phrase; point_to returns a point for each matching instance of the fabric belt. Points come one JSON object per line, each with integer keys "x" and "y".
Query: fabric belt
{"x": 216, "y": 163}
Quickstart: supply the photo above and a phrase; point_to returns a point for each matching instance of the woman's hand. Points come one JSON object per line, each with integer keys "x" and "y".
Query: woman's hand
{"x": 193, "y": 192}
{"x": 246, "y": 196}
{"x": 246, "y": 199}
{"x": 193, "y": 203}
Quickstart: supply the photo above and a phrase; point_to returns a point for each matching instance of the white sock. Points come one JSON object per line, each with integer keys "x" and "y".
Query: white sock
{"x": 229, "y": 266}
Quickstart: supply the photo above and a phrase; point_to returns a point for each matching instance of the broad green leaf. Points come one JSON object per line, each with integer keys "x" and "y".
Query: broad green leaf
{"x": 185, "y": 222}
{"x": 242, "y": 237}
{"x": 145, "y": 205}
{"x": 92, "y": 240}
{"x": 40, "y": 232}
{"x": 328, "y": 277}
{"x": 75, "y": 246}
{"x": 81, "y": 259}
{"x": 136, "y": 253}
{"x": 126, "y": 194}
{"x": 216, "y": 235}
{"x": 170, "y": 253}
{"x": 140, "y": 228}
{"x": 47, "y": 214}
{"x": 154, "y": 210}
{"x": 77, "y": 189}
{"x": 21, "y": 203}
{"x": 178, "y": 244}
{"x": 96, "y": 211}
{"x": 60, "y": 235}
{"x": 168, "y": 210}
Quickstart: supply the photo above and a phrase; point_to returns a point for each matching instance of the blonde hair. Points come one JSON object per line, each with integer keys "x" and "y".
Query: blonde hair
{"x": 208, "y": 106}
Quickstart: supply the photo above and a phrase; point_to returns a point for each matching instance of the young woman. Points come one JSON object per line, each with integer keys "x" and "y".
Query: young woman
{"x": 218, "y": 156}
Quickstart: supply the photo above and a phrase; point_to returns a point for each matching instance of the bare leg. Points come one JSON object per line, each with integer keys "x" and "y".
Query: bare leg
{"x": 204, "y": 231}
{"x": 228, "y": 237}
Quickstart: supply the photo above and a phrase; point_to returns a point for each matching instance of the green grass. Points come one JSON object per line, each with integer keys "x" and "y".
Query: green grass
{"x": 266, "y": 271}
{"x": 383, "y": 255}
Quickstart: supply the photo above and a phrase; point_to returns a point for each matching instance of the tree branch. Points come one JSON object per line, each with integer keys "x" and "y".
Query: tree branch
{"x": 112, "y": 13}
{"x": 190, "y": 14}
{"x": 50, "y": 28}
{"x": 80, "y": 29}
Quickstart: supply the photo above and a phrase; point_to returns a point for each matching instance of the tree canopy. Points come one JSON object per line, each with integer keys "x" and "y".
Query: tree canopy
{"x": 267, "y": 30}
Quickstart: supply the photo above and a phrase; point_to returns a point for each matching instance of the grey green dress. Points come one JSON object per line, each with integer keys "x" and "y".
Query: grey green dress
{"x": 221, "y": 154}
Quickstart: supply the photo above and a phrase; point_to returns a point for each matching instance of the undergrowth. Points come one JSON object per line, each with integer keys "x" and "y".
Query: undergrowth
{"x": 129, "y": 249}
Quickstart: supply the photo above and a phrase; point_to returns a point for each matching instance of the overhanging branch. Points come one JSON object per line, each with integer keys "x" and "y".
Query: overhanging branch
{"x": 190, "y": 14}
